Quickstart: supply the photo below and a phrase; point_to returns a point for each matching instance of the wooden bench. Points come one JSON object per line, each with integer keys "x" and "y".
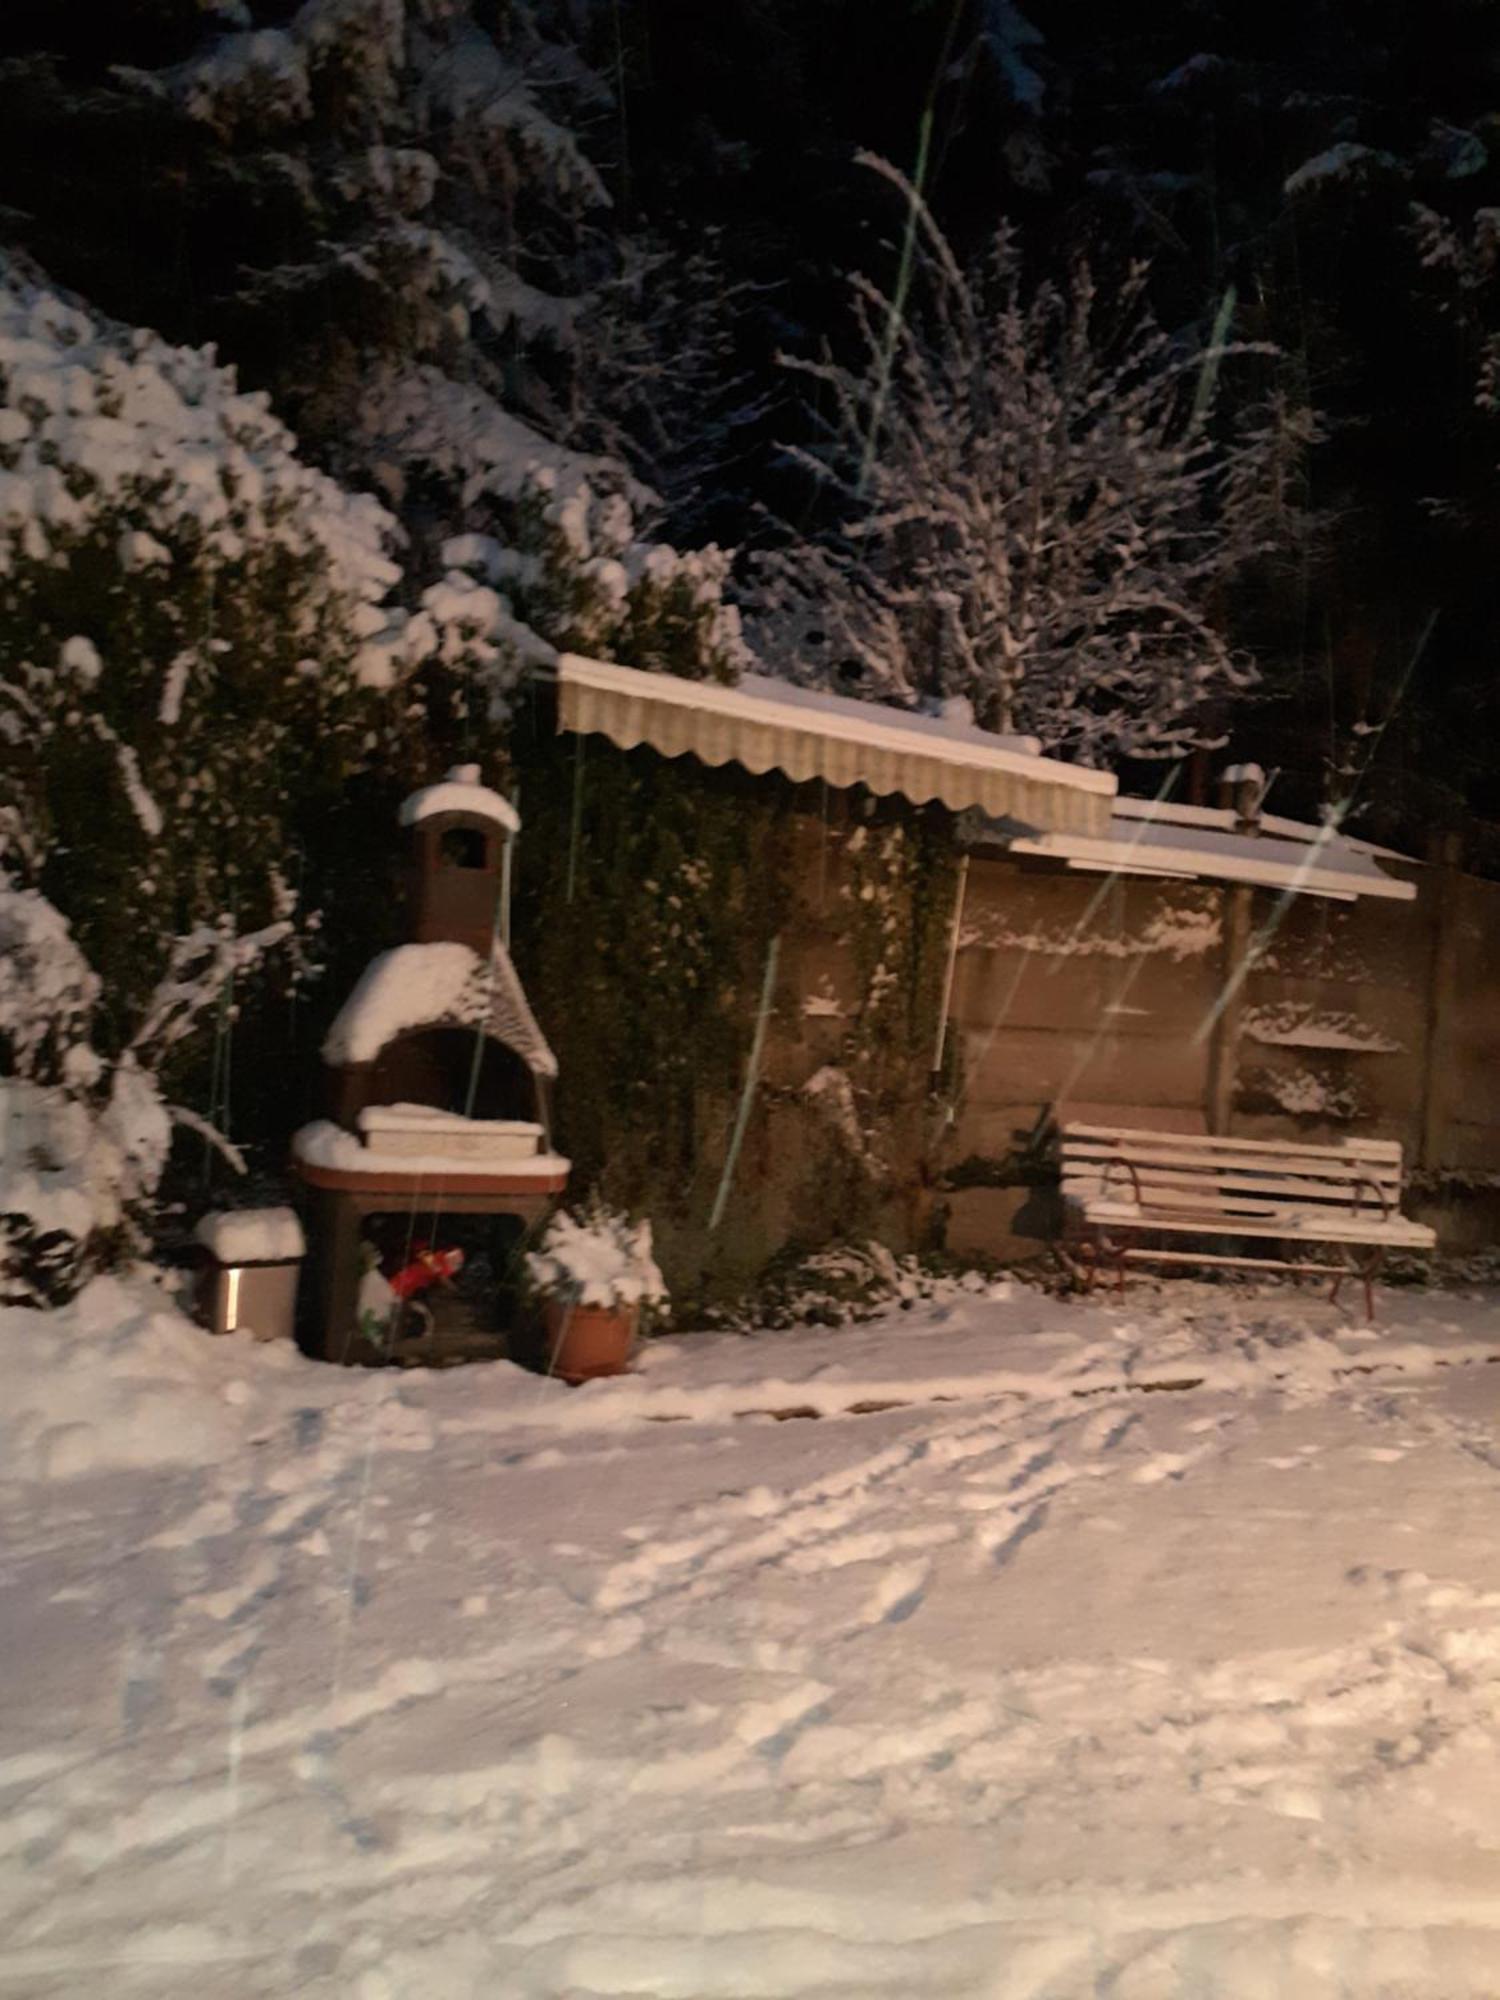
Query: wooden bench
{"x": 1118, "y": 1184}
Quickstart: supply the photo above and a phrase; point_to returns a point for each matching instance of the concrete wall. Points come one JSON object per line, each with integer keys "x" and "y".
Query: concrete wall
{"x": 1097, "y": 999}
{"x": 1466, "y": 1035}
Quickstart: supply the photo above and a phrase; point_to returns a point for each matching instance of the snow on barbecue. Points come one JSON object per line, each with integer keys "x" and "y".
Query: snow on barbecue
{"x": 405, "y": 988}
{"x": 462, "y": 792}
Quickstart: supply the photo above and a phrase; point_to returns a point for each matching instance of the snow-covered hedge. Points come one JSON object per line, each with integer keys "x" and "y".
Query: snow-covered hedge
{"x": 197, "y": 629}
{"x": 574, "y": 577}
{"x": 83, "y": 1136}
{"x": 199, "y": 641}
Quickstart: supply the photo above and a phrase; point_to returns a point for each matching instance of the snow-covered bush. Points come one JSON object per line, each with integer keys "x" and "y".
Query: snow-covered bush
{"x": 1033, "y": 505}
{"x": 848, "y": 1282}
{"x": 576, "y": 578}
{"x": 84, "y": 1136}
{"x": 835, "y": 1286}
{"x": 201, "y": 643}
{"x": 199, "y": 636}
{"x": 597, "y": 1257}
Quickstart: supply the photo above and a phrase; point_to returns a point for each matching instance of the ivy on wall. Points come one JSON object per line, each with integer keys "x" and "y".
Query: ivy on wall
{"x": 648, "y": 892}
{"x": 897, "y": 900}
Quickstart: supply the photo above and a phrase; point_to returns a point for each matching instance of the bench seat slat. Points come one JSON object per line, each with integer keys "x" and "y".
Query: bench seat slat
{"x": 1181, "y": 1203}
{"x": 1091, "y": 1177}
{"x": 1200, "y": 1257}
{"x": 1321, "y": 1225}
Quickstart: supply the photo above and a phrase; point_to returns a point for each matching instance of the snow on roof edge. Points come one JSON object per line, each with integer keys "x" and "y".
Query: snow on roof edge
{"x": 1173, "y": 812}
{"x": 1332, "y": 869}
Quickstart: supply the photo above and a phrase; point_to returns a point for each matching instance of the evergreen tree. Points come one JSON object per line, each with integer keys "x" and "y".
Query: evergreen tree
{"x": 384, "y": 212}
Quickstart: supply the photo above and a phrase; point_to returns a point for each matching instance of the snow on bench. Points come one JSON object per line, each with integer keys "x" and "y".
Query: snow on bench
{"x": 1118, "y": 1182}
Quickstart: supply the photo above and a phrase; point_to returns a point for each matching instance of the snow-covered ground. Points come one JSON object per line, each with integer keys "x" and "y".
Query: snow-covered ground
{"x": 1049, "y": 1683}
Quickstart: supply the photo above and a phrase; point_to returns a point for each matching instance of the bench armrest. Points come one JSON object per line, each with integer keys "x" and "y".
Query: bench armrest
{"x": 1135, "y": 1180}
{"x": 1361, "y": 1181}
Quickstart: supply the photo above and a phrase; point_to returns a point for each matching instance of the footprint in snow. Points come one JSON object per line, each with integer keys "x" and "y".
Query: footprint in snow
{"x": 897, "y": 1595}
{"x": 1166, "y": 1465}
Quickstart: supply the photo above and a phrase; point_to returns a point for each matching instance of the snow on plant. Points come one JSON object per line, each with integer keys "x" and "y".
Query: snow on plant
{"x": 847, "y": 1282}
{"x": 1465, "y": 257}
{"x": 108, "y": 429}
{"x": 1034, "y": 507}
{"x": 657, "y": 382}
{"x": 576, "y": 578}
{"x": 422, "y": 155}
{"x": 597, "y": 1257}
{"x": 84, "y": 1136}
{"x": 199, "y": 633}
{"x": 198, "y": 636}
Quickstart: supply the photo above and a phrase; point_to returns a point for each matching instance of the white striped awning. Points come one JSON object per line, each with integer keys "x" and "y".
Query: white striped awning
{"x": 770, "y": 725}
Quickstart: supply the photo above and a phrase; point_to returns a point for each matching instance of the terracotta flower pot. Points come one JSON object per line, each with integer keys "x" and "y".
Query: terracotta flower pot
{"x": 585, "y": 1341}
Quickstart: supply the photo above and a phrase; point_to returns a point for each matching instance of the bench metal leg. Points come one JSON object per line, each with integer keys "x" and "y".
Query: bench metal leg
{"x": 1088, "y": 1257}
{"x": 1364, "y": 1265}
{"x": 1093, "y": 1248}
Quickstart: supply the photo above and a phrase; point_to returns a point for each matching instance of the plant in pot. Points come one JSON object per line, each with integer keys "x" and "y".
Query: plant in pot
{"x": 595, "y": 1272}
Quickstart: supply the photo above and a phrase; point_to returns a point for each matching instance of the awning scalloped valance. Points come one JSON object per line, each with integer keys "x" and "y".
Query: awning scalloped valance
{"x": 766, "y": 725}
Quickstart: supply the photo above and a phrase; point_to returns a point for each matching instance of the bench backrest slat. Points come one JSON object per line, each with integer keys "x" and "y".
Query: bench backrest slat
{"x": 1386, "y": 1151}
{"x": 1088, "y": 1155}
{"x": 1269, "y": 1177}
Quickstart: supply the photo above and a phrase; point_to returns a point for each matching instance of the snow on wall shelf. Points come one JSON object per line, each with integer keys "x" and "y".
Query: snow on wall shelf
{"x": 462, "y": 792}
{"x": 1300, "y": 1093}
{"x": 1177, "y": 932}
{"x": 1293, "y": 1027}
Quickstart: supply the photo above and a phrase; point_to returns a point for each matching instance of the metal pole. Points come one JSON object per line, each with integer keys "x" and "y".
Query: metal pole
{"x": 752, "y": 1074}
{"x": 951, "y": 966}
{"x": 1224, "y": 1045}
{"x": 575, "y": 818}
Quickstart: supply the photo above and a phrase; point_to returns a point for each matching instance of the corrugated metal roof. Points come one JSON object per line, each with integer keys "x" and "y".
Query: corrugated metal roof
{"x": 1201, "y": 843}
